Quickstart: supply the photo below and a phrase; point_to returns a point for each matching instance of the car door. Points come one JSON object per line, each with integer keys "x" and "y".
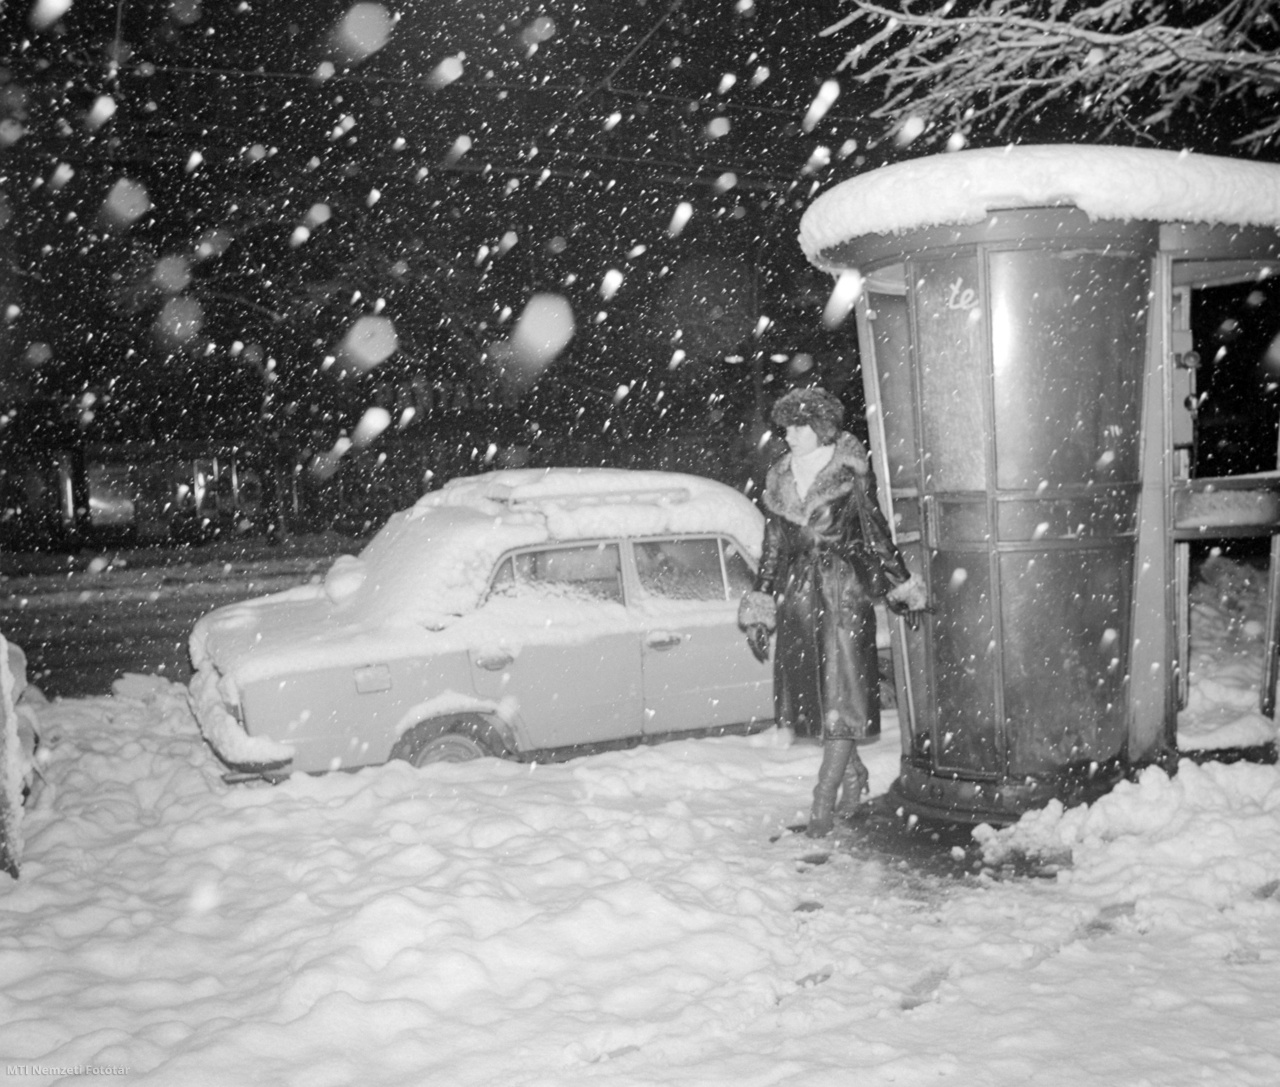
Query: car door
{"x": 698, "y": 672}
{"x": 563, "y": 657}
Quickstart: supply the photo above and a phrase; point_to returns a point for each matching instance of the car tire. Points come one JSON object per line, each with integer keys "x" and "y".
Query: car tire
{"x": 448, "y": 748}
{"x": 457, "y": 739}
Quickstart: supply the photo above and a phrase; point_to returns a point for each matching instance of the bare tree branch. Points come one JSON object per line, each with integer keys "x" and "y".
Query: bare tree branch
{"x": 1142, "y": 65}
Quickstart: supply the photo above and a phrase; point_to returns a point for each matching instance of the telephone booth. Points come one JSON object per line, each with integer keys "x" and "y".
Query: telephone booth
{"x": 1029, "y": 393}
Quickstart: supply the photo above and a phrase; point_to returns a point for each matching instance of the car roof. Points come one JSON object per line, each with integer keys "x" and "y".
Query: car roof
{"x": 434, "y": 559}
{"x": 548, "y": 488}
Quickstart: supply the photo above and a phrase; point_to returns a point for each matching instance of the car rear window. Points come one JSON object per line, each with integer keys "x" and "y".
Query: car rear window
{"x": 691, "y": 568}
{"x": 592, "y": 571}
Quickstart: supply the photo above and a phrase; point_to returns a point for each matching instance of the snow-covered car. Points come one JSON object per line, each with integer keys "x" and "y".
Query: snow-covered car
{"x": 532, "y": 614}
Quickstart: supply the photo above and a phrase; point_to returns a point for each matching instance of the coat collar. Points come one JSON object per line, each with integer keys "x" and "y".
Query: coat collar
{"x": 847, "y": 468}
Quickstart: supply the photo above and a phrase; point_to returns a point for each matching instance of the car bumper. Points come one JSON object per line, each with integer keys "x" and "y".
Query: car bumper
{"x": 224, "y": 732}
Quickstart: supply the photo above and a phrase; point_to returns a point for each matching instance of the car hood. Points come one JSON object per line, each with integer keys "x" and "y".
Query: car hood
{"x": 299, "y": 630}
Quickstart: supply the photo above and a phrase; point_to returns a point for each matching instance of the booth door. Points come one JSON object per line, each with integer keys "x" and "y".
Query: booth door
{"x": 945, "y": 671}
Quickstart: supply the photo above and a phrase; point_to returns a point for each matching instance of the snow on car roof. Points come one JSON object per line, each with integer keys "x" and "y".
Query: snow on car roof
{"x": 457, "y": 533}
{"x": 586, "y": 502}
{"x": 1104, "y": 182}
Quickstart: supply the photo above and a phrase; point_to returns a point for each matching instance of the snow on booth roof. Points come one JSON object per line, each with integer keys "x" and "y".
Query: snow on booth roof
{"x": 1103, "y": 182}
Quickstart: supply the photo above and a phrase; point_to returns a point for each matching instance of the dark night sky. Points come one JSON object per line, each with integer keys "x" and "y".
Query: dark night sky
{"x": 581, "y": 148}
{"x": 587, "y": 124}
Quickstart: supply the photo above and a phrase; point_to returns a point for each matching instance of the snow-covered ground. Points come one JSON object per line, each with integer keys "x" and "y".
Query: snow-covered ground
{"x": 632, "y": 918}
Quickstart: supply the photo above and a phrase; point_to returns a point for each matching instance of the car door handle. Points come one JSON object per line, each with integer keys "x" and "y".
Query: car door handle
{"x": 495, "y": 664}
{"x": 663, "y": 639}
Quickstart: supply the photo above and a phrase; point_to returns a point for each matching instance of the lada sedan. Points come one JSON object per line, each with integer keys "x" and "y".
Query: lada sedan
{"x": 532, "y": 614}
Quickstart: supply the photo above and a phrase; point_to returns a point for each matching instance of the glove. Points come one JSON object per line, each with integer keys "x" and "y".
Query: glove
{"x": 910, "y": 614}
{"x": 909, "y": 599}
{"x": 758, "y": 640}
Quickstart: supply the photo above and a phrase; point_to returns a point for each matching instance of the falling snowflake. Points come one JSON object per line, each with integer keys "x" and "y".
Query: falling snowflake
{"x": 179, "y": 321}
{"x": 44, "y": 13}
{"x": 126, "y": 203}
{"x": 447, "y": 71}
{"x": 543, "y": 329}
{"x": 844, "y": 296}
{"x": 372, "y": 423}
{"x": 370, "y": 342}
{"x": 823, "y": 101}
{"x": 362, "y": 31}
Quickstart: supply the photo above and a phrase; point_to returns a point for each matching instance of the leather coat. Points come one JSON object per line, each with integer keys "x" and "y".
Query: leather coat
{"x": 825, "y": 558}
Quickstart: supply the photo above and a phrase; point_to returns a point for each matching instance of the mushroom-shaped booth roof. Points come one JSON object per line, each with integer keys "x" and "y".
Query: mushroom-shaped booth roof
{"x": 1104, "y": 182}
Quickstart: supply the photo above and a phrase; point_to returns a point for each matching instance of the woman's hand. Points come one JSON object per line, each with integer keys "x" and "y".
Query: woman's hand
{"x": 909, "y": 600}
{"x": 758, "y": 641}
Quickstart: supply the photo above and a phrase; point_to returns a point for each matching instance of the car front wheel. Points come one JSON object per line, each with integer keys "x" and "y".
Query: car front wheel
{"x": 448, "y": 748}
{"x": 453, "y": 739}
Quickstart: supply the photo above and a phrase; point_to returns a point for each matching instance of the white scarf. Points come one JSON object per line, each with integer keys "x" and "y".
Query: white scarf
{"x": 805, "y": 468}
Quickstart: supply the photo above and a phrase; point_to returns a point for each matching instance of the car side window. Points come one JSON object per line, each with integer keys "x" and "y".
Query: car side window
{"x": 592, "y": 571}
{"x": 737, "y": 570}
{"x": 680, "y": 569}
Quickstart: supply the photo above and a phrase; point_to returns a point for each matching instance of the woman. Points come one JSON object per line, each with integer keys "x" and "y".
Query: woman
{"x": 827, "y": 555}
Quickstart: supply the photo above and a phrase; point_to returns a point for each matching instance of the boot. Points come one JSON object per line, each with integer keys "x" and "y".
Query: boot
{"x": 822, "y": 817}
{"x": 855, "y": 785}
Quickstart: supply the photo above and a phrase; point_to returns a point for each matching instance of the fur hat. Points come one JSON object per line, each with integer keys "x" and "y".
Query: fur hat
{"x": 812, "y": 407}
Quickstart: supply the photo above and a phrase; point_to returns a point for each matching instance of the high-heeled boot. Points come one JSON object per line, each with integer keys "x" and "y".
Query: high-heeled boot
{"x": 855, "y": 784}
{"x": 822, "y": 817}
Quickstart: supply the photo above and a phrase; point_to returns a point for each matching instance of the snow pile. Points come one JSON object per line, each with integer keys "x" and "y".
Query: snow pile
{"x": 639, "y": 917}
{"x": 11, "y": 766}
{"x": 1105, "y": 182}
{"x": 18, "y": 729}
{"x": 1205, "y": 837}
{"x": 1228, "y": 615}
